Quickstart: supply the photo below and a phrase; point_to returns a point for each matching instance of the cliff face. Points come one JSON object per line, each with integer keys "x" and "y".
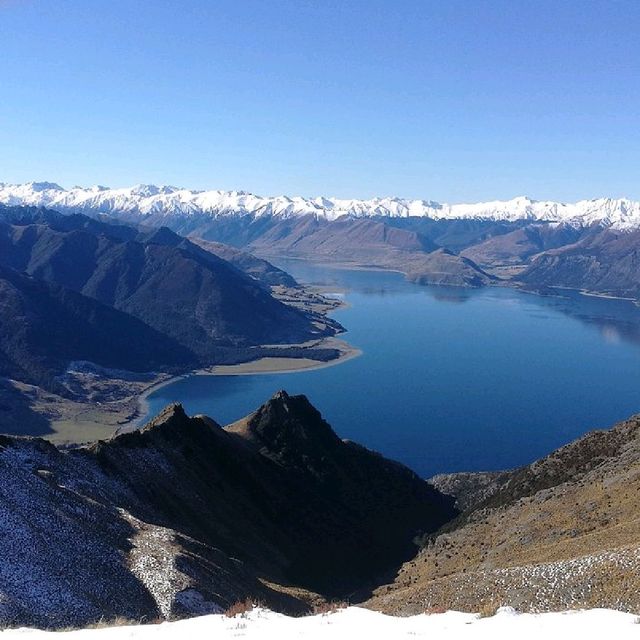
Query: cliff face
{"x": 559, "y": 533}
{"x": 187, "y": 517}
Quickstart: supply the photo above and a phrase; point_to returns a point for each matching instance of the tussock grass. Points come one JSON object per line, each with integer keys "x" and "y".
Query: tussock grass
{"x": 241, "y": 608}
{"x": 325, "y": 608}
{"x": 488, "y": 609}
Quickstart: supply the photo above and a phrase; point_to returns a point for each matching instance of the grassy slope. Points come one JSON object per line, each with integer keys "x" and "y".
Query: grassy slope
{"x": 562, "y": 532}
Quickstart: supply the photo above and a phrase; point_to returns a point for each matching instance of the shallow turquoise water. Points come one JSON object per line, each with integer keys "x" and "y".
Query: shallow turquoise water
{"x": 453, "y": 379}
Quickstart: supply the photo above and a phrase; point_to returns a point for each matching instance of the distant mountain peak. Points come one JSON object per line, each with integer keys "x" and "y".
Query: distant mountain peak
{"x": 44, "y": 186}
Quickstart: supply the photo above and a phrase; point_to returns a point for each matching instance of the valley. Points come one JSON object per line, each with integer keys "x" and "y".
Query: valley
{"x": 113, "y": 335}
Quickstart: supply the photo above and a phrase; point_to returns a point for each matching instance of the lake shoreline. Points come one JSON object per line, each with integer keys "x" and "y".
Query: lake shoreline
{"x": 126, "y": 407}
{"x": 502, "y": 283}
{"x": 407, "y": 384}
{"x": 264, "y": 365}
{"x": 258, "y": 366}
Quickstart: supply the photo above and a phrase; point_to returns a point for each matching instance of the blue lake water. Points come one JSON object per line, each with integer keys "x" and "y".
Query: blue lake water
{"x": 452, "y": 379}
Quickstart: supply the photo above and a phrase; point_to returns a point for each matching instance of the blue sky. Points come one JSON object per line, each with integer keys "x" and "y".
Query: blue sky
{"x": 447, "y": 100}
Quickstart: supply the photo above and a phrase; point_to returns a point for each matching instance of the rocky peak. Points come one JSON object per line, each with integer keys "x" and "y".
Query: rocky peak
{"x": 172, "y": 427}
{"x": 172, "y": 415}
{"x": 291, "y": 431}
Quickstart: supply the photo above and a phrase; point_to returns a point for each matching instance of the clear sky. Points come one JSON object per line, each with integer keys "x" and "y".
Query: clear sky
{"x": 446, "y": 100}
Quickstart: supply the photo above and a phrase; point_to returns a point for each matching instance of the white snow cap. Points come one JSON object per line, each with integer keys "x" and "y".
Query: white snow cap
{"x": 167, "y": 200}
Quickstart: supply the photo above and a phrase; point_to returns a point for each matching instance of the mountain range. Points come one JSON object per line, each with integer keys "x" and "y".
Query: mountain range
{"x": 590, "y": 245}
{"x": 77, "y": 288}
{"x": 152, "y": 200}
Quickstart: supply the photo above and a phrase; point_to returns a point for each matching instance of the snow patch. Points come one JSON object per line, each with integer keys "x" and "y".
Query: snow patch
{"x": 354, "y": 622}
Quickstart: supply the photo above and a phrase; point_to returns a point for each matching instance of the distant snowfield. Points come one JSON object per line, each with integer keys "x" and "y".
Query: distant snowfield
{"x": 354, "y": 623}
{"x": 159, "y": 201}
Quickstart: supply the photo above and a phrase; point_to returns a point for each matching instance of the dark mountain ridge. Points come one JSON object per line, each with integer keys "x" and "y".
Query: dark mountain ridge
{"x": 532, "y": 254}
{"x": 185, "y": 517}
{"x": 174, "y": 286}
{"x": 262, "y": 270}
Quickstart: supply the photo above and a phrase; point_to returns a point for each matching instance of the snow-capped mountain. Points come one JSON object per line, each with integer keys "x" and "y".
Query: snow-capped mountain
{"x": 154, "y": 200}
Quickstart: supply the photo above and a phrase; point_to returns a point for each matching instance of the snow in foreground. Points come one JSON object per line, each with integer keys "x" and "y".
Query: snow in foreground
{"x": 354, "y": 622}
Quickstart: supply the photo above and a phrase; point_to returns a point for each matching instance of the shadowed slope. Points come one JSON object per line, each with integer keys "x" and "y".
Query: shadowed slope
{"x": 45, "y": 326}
{"x": 185, "y": 516}
{"x": 169, "y": 283}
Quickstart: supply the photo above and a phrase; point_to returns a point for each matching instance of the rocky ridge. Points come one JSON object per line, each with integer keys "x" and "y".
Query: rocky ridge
{"x": 185, "y": 517}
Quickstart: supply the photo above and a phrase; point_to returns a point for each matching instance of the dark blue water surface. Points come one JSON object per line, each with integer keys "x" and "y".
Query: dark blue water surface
{"x": 453, "y": 379}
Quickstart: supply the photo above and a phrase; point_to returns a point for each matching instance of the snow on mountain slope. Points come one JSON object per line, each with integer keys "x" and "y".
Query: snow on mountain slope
{"x": 165, "y": 200}
{"x": 354, "y": 622}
